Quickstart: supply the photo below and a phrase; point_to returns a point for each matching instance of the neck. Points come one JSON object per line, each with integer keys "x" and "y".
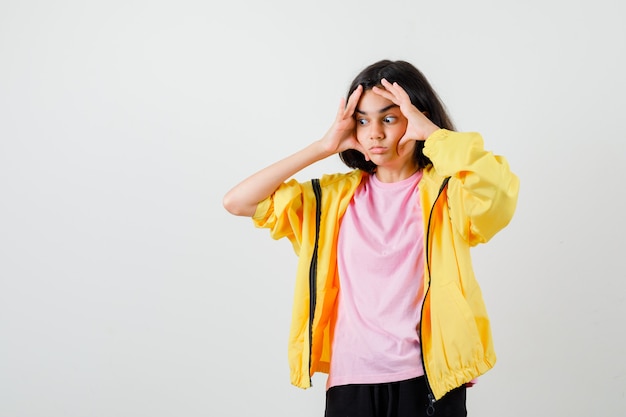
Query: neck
{"x": 395, "y": 175}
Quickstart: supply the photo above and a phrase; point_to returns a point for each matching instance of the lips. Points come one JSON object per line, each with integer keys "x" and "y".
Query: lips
{"x": 377, "y": 149}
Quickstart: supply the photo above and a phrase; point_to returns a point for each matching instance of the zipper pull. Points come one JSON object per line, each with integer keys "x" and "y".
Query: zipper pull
{"x": 430, "y": 411}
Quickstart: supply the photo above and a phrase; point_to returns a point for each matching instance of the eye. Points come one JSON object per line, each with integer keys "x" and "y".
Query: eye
{"x": 361, "y": 122}
{"x": 389, "y": 119}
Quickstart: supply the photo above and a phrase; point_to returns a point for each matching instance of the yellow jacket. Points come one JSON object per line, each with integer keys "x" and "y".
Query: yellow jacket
{"x": 479, "y": 200}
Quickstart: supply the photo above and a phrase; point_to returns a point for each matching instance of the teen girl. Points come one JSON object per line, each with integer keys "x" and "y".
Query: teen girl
{"x": 386, "y": 301}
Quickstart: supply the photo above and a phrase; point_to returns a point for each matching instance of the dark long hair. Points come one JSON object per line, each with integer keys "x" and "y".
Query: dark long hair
{"x": 422, "y": 95}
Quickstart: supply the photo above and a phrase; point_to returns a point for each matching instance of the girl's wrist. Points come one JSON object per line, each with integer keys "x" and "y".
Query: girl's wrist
{"x": 322, "y": 149}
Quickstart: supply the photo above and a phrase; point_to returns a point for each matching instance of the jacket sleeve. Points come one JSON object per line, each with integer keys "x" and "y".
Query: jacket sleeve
{"x": 282, "y": 213}
{"x": 482, "y": 192}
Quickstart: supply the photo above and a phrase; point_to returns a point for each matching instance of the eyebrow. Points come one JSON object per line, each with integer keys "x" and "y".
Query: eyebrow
{"x": 384, "y": 109}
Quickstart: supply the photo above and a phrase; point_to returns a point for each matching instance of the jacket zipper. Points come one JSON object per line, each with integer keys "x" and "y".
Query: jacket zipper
{"x": 430, "y": 411}
{"x": 313, "y": 268}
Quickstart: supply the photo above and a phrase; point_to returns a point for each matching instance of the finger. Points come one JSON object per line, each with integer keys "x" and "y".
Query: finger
{"x": 393, "y": 92}
{"x": 386, "y": 83}
{"x": 353, "y": 100}
{"x": 392, "y": 88}
{"x": 383, "y": 92}
{"x": 341, "y": 109}
{"x": 395, "y": 88}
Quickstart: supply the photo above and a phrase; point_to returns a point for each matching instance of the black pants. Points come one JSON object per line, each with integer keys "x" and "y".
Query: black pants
{"x": 396, "y": 399}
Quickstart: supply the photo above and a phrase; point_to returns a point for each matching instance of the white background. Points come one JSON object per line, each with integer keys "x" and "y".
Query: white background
{"x": 127, "y": 290}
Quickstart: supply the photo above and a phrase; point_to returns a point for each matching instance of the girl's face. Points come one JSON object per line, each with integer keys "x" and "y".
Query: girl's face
{"x": 379, "y": 127}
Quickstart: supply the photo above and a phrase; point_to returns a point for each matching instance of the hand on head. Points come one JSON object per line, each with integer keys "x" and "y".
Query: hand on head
{"x": 341, "y": 135}
{"x": 419, "y": 126}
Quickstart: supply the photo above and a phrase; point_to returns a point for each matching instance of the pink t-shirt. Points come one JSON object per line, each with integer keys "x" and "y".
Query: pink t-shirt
{"x": 380, "y": 261}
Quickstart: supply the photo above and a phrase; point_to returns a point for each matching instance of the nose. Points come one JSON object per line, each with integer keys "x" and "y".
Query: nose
{"x": 376, "y": 131}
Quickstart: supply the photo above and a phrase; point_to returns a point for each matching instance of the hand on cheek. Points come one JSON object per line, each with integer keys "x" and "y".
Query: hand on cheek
{"x": 406, "y": 146}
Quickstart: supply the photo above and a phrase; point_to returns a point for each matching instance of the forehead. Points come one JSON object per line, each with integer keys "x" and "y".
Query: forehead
{"x": 371, "y": 102}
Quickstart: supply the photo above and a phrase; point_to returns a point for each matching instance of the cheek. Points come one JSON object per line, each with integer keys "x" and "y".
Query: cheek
{"x": 397, "y": 132}
{"x": 399, "y": 128}
{"x": 361, "y": 135}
